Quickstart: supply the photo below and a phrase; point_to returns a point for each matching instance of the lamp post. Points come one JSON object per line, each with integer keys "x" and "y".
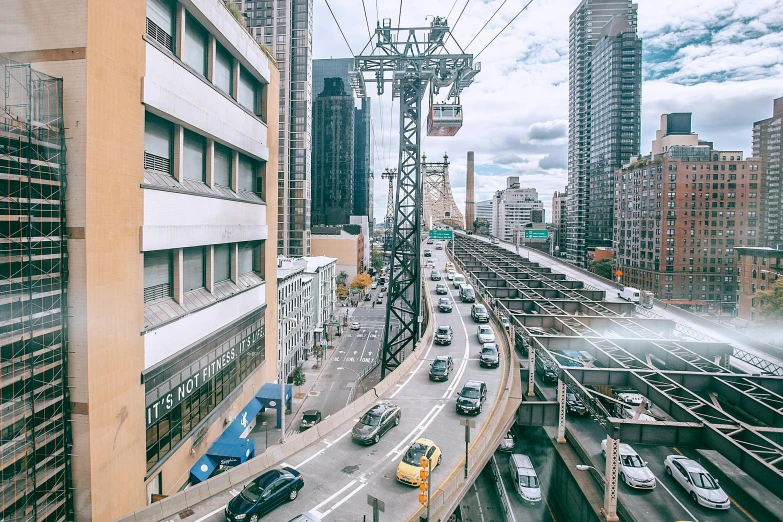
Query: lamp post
{"x": 282, "y": 379}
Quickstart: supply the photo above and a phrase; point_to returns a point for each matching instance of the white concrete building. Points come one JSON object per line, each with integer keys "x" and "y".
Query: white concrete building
{"x": 513, "y": 208}
{"x": 295, "y": 312}
{"x": 484, "y": 210}
{"x": 323, "y": 271}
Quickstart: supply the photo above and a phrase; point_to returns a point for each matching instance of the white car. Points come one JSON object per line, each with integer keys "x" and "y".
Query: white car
{"x": 485, "y": 334}
{"x": 356, "y": 325}
{"x": 507, "y": 444}
{"x": 374, "y": 285}
{"x": 700, "y": 485}
{"x": 633, "y": 470}
{"x": 450, "y": 275}
{"x": 429, "y": 264}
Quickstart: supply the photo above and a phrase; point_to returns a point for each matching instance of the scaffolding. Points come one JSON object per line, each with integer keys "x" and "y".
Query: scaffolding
{"x": 35, "y": 438}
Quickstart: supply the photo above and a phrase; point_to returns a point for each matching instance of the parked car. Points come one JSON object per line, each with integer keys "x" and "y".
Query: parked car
{"x": 444, "y": 304}
{"x": 507, "y": 444}
{"x": 702, "y": 487}
{"x": 633, "y": 470}
{"x": 574, "y": 403}
{"x": 485, "y": 334}
{"x": 435, "y": 276}
{"x": 408, "y": 471}
{"x": 471, "y": 397}
{"x": 441, "y": 289}
{"x": 479, "y": 313}
{"x": 441, "y": 368}
{"x": 309, "y": 419}
{"x": 443, "y": 335}
{"x": 375, "y": 422}
{"x": 490, "y": 356}
{"x": 356, "y": 325}
{"x": 266, "y": 492}
{"x": 525, "y": 478}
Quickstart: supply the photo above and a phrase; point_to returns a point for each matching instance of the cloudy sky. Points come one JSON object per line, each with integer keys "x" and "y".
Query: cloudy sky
{"x": 722, "y": 60}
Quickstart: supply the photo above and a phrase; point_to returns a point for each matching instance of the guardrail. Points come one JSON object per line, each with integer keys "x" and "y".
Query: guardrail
{"x": 504, "y": 502}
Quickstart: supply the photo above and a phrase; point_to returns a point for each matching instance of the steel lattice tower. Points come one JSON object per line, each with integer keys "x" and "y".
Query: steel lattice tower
{"x": 391, "y": 175}
{"x": 439, "y": 205}
{"x": 411, "y": 59}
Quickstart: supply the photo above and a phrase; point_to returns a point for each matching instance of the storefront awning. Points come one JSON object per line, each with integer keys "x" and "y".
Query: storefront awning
{"x": 202, "y": 469}
{"x": 231, "y": 452}
{"x": 241, "y": 425}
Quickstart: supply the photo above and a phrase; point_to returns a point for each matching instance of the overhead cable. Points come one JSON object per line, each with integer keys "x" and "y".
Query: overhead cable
{"x": 366, "y": 21}
{"x": 504, "y": 28}
{"x": 485, "y": 23}
{"x": 340, "y": 28}
{"x": 451, "y": 29}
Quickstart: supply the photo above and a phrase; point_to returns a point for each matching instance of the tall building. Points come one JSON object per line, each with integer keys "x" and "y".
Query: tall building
{"x": 170, "y": 233}
{"x": 470, "y": 203}
{"x": 587, "y": 26}
{"x": 679, "y": 216}
{"x": 559, "y": 202}
{"x": 294, "y": 311}
{"x": 333, "y": 162}
{"x": 768, "y": 147}
{"x": 35, "y": 412}
{"x": 513, "y": 208}
{"x": 759, "y": 269}
{"x": 285, "y": 27}
{"x": 324, "y": 68}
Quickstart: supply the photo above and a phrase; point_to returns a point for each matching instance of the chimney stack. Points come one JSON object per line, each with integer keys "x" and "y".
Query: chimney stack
{"x": 470, "y": 208}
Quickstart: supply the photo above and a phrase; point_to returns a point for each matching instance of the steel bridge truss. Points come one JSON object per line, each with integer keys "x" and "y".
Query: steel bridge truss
{"x": 439, "y": 205}
{"x": 736, "y": 414}
{"x": 411, "y": 60}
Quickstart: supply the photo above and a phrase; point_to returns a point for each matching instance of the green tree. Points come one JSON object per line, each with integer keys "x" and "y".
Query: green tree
{"x": 603, "y": 268}
{"x": 318, "y": 353}
{"x": 771, "y": 302}
{"x": 376, "y": 260}
{"x": 342, "y": 291}
{"x": 341, "y": 278}
{"x": 298, "y": 377}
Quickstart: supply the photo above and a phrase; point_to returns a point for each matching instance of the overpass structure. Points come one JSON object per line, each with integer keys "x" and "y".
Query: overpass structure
{"x": 439, "y": 205}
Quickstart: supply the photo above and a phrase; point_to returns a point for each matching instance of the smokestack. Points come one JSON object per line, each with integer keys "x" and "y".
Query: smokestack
{"x": 470, "y": 204}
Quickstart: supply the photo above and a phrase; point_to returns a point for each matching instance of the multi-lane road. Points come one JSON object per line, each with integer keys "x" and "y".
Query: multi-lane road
{"x": 339, "y": 474}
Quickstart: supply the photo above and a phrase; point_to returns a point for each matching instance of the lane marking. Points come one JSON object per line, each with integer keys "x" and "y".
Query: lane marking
{"x": 319, "y": 452}
{"x": 345, "y": 498}
{"x": 208, "y": 515}
{"x": 319, "y": 506}
{"x": 677, "y": 500}
{"x": 478, "y": 500}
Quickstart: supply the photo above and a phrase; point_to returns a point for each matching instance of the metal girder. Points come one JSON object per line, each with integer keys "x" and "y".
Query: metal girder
{"x": 391, "y": 175}
{"x": 535, "y": 413}
{"x": 439, "y": 204}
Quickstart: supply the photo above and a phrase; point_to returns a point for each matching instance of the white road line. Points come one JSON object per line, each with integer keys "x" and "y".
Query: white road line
{"x": 221, "y": 508}
{"x": 463, "y": 365}
{"x": 318, "y": 453}
{"x": 409, "y": 435}
{"x": 421, "y": 429}
{"x": 478, "y": 500}
{"x": 677, "y": 500}
{"x": 319, "y": 506}
{"x": 346, "y": 497}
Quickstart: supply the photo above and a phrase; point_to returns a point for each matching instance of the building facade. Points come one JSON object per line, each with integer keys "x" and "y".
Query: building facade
{"x": 768, "y": 146}
{"x": 333, "y": 161}
{"x": 586, "y": 27}
{"x": 323, "y": 272}
{"x": 559, "y": 219}
{"x": 483, "y": 210}
{"x": 167, "y": 158}
{"x": 759, "y": 269}
{"x": 345, "y": 243}
{"x": 679, "y": 216}
{"x": 285, "y": 27}
{"x": 295, "y": 313}
{"x": 364, "y": 223}
{"x": 514, "y": 208}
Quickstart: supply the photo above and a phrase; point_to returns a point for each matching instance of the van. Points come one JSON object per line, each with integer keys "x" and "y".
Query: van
{"x": 630, "y": 294}
{"x": 525, "y": 478}
{"x": 459, "y": 279}
{"x": 467, "y": 294}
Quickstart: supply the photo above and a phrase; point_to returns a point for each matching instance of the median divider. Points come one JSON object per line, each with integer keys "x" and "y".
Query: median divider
{"x": 234, "y": 478}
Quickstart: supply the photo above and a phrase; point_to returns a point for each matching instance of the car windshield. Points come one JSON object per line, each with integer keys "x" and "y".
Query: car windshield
{"x": 632, "y": 461}
{"x": 438, "y": 364}
{"x": 444, "y": 301}
{"x": 527, "y": 481}
{"x": 251, "y": 493}
{"x": 443, "y": 330}
{"x": 488, "y": 351}
{"x": 481, "y": 310}
{"x": 470, "y": 393}
{"x": 370, "y": 419}
{"x": 703, "y": 481}
{"x": 310, "y": 417}
{"x": 414, "y": 454}
{"x": 485, "y": 330}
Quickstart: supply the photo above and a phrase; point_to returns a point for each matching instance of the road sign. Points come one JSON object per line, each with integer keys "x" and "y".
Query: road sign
{"x": 536, "y": 233}
{"x": 441, "y": 234}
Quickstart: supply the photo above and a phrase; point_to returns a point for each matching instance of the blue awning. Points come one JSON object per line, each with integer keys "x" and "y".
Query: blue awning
{"x": 243, "y": 420}
{"x": 202, "y": 469}
{"x": 231, "y": 452}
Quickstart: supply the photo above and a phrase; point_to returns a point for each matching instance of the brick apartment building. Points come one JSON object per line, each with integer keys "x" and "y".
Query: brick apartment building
{"x": 759, "y": 269}
{"x": 679, "y": 215}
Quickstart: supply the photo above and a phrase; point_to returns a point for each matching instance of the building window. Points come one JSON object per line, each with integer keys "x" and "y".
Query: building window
{"x": 223, "y": 75}
{"x": 222, "y": 263}
{"x": 157, "y": 275}
{"x": 247, "y": 95}
{"x": 222, "y": 166}
{"x": 251, "y": 258}
{"x": 195, "y": 46}
{"x": 193, "y": 157}
{"x": 158, "y": 144}
{"x": 160, "y": 22}
{"x": 247, "y": 174}
{"x": 193, "y": 273}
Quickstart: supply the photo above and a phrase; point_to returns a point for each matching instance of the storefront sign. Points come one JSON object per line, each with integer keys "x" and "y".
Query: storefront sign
{"x": 186, "y": 388}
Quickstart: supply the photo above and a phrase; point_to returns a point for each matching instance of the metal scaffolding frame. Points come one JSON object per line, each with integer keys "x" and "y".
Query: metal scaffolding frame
{"x": 36, "y": 438}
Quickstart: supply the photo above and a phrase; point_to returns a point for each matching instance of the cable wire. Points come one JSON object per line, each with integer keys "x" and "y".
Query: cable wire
{"x": 451, "y": 29}
{"x": 504, "y": 28}
{"x": 485, "y": 24}
{"x": 366, "y": 20}
{"x": 452, "y": 8}
{"x": 340, "y": 28}
{"x": 399, "y": 17}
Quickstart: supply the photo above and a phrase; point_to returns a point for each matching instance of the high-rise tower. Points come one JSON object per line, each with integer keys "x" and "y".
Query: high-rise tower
{"x": 470, "y": 211}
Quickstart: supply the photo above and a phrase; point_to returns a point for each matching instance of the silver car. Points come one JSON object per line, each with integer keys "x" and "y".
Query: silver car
{"x": 485, "y": 334}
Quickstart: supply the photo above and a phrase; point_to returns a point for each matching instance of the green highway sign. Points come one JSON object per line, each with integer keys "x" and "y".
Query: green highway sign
{"x": 535, "y": 233}
{"x": 441, "y": 234}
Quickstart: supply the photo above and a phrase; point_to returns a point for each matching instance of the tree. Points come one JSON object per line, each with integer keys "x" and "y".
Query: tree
{"x": 342, "y": 291}
{"x": 298, "y": 377}
{"x": 603, "y": 268}
{"x": 318, "y": 353}
{"x": 771, "y": 302}
{"x": 341, "y": 278}
{"x": 361, "y": 282}
{"x": 376, "y": 260}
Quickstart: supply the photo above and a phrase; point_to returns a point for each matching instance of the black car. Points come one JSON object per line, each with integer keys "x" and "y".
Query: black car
{"x": 490, "y": 357}
{"x": 367, "y": 297}
{"x": 378, "y": 420}
{"x": 444, "y": 304}
{"x": 479, "y": 313}
{"x": 264, "y": 494}
{"x": 443, "y": 335}
{"x": 522, "y": 345}
{"x": 574, "y": 404}
{"x": 441, "y": 367}
{"x": 545, "y": 371}
{"x": 427, "y": 252}
{"x": 471, "y": 397}
{"x": 441, "y": 289}
{"x": 309, "y": 419}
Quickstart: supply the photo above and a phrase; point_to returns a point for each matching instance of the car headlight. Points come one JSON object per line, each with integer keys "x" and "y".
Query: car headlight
{"x": 239, "y": 517}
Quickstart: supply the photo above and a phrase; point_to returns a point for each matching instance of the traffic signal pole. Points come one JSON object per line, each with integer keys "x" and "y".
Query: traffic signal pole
{"x": 425, "y": 474}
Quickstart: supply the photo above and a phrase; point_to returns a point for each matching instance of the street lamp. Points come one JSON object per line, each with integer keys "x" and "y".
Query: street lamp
{"x": 358, "y": 377}
{"x": 282, "y": 379}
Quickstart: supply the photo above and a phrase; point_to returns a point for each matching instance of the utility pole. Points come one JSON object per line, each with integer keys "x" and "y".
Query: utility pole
{"x": 468, "y": 423}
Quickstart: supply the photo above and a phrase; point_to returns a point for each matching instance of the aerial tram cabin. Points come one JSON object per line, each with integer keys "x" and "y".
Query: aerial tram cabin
{"x": 445, "y": 119}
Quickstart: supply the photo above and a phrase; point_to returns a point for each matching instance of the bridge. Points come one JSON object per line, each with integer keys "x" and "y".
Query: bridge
{"x": 439, "y": 205}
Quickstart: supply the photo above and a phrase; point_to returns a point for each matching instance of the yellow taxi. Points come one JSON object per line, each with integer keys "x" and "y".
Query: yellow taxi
{"x": 449, "y": 266}
{"x": 409, "y": 468}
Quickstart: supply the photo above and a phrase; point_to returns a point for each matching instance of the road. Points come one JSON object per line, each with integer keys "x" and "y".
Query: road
{"x": 339, "y": 474}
